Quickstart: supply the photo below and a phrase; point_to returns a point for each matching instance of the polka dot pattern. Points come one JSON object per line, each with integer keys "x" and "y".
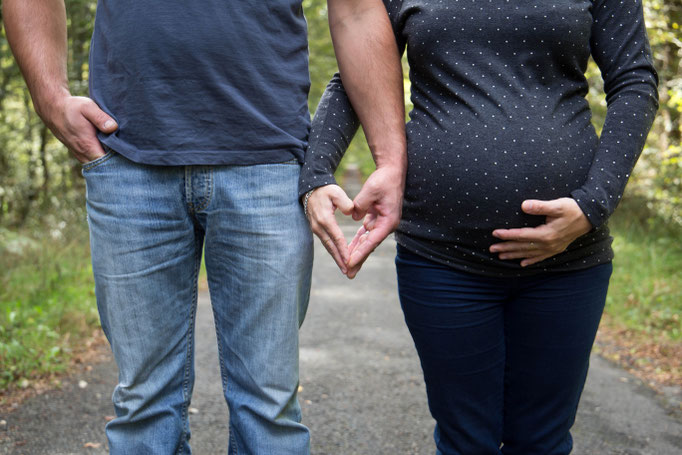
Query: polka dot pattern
{"x": 500, "y": 116}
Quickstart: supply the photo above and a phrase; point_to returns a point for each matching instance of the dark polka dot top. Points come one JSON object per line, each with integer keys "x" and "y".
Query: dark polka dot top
{"x": 500, "y": 116}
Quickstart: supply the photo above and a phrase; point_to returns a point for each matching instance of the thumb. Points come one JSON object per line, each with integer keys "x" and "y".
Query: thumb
{"x": 536, "y": 207}
{"x": 341, "y": 200}
{"x": 362, "y": 203}
{"x": 100, "y": 119}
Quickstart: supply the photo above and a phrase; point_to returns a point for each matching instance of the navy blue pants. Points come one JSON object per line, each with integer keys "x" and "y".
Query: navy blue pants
{"x": 504, "y": 359}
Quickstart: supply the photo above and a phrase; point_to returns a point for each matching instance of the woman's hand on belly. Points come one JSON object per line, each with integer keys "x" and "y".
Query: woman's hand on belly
{"x": 564, "y": 223}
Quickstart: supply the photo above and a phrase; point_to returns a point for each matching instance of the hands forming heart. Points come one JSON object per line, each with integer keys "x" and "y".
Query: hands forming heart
{"x": 378, "y": 204}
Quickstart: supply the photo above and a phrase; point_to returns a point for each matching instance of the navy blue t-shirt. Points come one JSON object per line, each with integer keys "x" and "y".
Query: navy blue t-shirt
{"x": 210, "y": 82}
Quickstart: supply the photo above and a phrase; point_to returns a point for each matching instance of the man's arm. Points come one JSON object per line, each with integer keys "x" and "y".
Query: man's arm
{"x": 36, "y": 31}
{"x": 370, "y": 68}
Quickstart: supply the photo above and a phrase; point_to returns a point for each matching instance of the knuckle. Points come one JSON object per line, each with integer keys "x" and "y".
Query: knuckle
{"x": 549, "y": 239}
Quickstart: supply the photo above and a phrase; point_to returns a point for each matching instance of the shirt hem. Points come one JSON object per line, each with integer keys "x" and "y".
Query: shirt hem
{"x": 571, "y": 265}
{"x": 202, "y": 157}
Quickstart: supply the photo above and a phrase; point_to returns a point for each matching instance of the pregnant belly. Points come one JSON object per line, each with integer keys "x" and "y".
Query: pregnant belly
{"x": 459, "y": 190}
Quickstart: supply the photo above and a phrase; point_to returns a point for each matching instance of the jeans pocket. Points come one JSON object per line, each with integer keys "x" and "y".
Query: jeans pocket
{"x": 97, "y": 161}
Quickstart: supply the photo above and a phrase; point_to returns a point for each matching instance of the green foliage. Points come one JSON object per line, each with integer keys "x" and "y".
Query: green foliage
{"x": 37, "y": 173}
{"x": 658, "y": 176}
{"x": 646, "y": 288}
{"x": 47, "y": 302}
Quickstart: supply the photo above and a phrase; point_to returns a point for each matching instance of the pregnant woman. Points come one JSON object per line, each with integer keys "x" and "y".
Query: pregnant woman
{"x": 504, "y": 254}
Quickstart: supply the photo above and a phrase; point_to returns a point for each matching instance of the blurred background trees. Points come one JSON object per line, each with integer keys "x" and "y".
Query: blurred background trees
{"x": 46, "y": 299}
{"x": 39, "y": 181}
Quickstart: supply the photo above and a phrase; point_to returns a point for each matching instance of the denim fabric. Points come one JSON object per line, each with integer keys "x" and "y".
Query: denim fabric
{"x": 148, "y": 225}
{"x": 504, "y": 359}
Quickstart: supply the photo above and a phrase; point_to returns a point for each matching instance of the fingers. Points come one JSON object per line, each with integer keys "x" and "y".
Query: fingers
{"x": 336, "y": 247}
{"x": 332, "y": 238}
{"x": 512, "y": 247}
{"x": 526, "y": 234}
{"x": 361, "y": 205}
{"x": 77, "y": 124}
{"x": 341, "y": 201}
{"x": 521, "y": 254}
{"x": 321, "y": 207}
{"x": 535, "y": 260}
{"x": 554, "y": 207}
{"x": 370, "y": 221}
{"x": 356, "y": 239}
{"x": 530, "y": 251}
{"x": 367, "y": 243}
{"x": 100, "y": 119}
{"x": 364, "y": 243}
{"x": 367, "y": 225}
{"x": 364, "y": 200}
{"x": 564, "y": 222}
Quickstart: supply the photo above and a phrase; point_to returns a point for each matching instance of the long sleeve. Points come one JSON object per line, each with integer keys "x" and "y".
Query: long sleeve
{"x": 620, "y": 47}
{"x": 333, "y": 127}
{"x": 335, "y": 123}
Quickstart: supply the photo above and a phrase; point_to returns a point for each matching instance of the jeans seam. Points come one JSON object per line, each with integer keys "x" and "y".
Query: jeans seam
{"x": 188, "y": 361}
{"x": 93, "y": 164}
{"x": 233, "y": 441}
{"x": 223, "y": 372}
{"x": 188, "y": 189}
{"x": 208, "y": 197}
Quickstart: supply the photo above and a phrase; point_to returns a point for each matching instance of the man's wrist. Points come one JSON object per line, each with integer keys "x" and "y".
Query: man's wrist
{"x": 391, "y": 158}
{"x": 396, "y": 170}
{"x": 48, "y": 101}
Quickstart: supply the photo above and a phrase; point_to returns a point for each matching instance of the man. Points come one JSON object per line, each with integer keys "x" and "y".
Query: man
{"x": 192, "y": 139}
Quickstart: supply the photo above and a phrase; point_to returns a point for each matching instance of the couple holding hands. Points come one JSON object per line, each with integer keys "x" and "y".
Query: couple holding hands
{"x": 197, "y": 136}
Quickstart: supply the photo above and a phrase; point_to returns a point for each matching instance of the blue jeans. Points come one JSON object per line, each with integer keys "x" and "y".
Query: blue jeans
{"x": 504, "y": 359}
{"x": 148, "y": 226}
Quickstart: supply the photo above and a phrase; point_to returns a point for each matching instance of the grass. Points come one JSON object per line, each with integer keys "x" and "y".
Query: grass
{"x": 646, "y": 288}
{"x": 641, "y": 328}
{"x": 47, "y": 304}
{"x": 48, "y": 310}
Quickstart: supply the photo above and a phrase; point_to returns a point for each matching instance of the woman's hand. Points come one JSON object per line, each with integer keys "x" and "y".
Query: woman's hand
{"x": 322, "y": 204}
{"x": 564, "y": 223}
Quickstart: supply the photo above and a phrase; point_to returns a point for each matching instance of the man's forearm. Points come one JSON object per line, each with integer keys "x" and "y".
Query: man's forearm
{"x": 36, "y": 31}
{"x": 372, "y": 75}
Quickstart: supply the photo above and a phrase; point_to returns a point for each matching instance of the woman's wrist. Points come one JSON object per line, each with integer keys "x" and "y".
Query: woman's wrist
{"x": 305, "y": 201}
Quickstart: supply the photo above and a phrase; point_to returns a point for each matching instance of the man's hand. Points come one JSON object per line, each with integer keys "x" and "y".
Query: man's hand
{"x": 564, "y": 223}
{"x": 380, "y": 203}
{"x": 321, "y": 207}
{"x": 74, "y": 120}
{"x": 36, "y": 31}
{"x": 369, "y": 63}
